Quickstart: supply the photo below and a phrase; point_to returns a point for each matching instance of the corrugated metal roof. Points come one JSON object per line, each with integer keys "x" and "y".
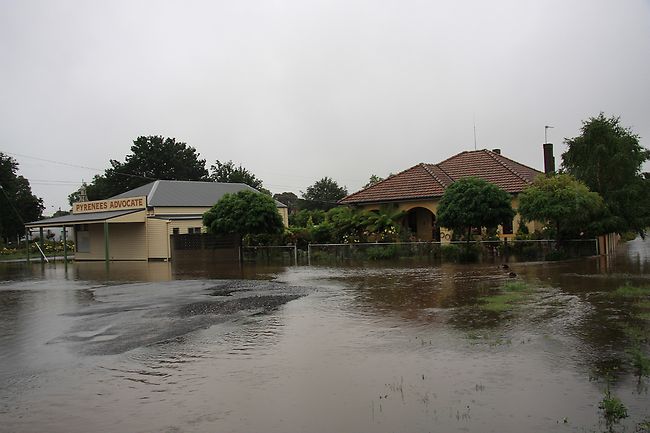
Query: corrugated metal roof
{"x": 431, "y": 180}
{"x": 80, "y": 218}
{"x": 182, "y": 193}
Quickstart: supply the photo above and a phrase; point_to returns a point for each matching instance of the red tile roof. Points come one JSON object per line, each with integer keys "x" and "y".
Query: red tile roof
{"x": 430, "y": 180}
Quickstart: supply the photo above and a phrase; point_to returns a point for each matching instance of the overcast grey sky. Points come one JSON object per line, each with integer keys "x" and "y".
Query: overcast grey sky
{"x": 298, "y": 89}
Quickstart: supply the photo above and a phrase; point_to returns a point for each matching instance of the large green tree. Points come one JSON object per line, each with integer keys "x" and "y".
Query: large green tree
{"x": 564, "y": 202}
{"x": 474, "y": 203}
{"x": 608, "y": 158}
{"x": 323, "y": 194}
{"x": 228, "y": 172}
{"x": 244, "y": 213}
{"x": 288, "y": 198}
{"x": 17, "y": 203}
{"x": 151, "y": 158}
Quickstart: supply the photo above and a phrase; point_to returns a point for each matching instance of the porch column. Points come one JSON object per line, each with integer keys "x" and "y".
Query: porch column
{"x": 106, "y": 256}
{"x": 40, "y": 241}
{"x": 65, "y": 245}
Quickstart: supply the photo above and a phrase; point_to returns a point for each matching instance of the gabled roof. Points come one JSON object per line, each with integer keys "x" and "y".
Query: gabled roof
{"x": 185, "y": 193}
{"x": 430, "y": 180}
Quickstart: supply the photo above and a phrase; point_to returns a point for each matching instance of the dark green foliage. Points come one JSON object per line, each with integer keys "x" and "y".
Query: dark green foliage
{"x": 151, "y": 158}
{"x": 608, "y": 158}
{"x": 288, "y": 198}
{"x": 346, "y": 225}
{"x": 373, "y": 180}
{"x": 382, "y": 253}
{"x": 227, "y": 172}
{"x": 612, "y": 408}
{"x": 244, "y": 213}
{"x": 306, "y": 218}
{"x": 565, "y": 203}
{"x": 323, "y": 194}
{"x": 17, "y": 203}
{"x": 474, "y": 203}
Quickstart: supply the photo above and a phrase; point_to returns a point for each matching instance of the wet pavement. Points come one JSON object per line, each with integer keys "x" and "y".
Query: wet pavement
{"x": 163, "y": 347}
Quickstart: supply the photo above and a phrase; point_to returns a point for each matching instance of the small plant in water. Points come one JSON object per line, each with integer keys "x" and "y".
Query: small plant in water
{"x": 612, "y": 408}
{"x": 510, "y": 293}
{"x": 640, "y": 361}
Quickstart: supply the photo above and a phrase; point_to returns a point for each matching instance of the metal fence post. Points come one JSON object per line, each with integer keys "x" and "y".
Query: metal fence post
{"x": 309, "y": 254}
{"x": 295, "y": 254}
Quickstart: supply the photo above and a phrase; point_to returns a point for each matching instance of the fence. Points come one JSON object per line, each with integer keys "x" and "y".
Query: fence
{"x": 518, "y": 250}
{"x": 203, "y": 246}
{"x": 273, "y": 254}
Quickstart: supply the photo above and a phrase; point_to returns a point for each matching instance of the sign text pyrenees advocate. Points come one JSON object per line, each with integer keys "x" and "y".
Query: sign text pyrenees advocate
{"x": 128, "y": 203}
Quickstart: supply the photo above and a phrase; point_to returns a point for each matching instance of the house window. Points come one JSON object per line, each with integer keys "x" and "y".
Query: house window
{"x": 82, "y": 238}
{"x": 175, "y": 230}
{"x": 507, "y": 228}
{"x": 194, "y": 230}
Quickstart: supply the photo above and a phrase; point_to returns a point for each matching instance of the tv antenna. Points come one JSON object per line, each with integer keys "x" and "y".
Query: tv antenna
{"x": 546, "y": 128}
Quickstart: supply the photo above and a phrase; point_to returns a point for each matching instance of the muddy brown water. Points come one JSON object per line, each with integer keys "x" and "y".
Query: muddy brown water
{"x": 160, "y": 347}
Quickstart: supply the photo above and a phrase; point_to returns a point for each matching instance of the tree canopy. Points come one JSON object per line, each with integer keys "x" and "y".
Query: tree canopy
{"x": 229, "y": 173}
{"x": 17, "y": 203}
{"x": 323, "y": 194}
{"x": 244, "y": 213}
{"x": 288, "y": 198}
{"x": 607, "y": 157}
{"x": 564, "y": 202}
{"x": 474, "y": 203}
{"x": 151, "y": 158}
{"x": 373, "y": 180}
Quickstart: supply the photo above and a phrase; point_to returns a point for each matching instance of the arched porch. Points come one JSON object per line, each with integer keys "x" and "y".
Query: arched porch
{"x": 421, "y": 222}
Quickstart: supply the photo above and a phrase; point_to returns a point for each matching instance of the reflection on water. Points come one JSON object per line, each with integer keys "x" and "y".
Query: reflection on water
{"x": 195, "y": 346}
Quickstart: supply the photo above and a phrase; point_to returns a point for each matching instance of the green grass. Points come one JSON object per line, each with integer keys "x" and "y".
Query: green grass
{"x": 508, "y": 295}
{"x": 630, "y": 292}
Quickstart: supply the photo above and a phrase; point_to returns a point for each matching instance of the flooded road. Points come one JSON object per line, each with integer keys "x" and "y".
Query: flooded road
{"x": 159, "y": 347}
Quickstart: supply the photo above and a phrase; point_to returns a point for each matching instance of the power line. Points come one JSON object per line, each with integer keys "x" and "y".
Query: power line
{"x": 77, "y": 166}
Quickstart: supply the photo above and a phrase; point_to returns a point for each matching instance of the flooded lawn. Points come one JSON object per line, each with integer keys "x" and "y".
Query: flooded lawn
{"x": 160, "y": 347}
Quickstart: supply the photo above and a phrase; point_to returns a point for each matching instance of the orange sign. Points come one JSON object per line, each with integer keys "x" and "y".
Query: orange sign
{"x": 110, "y": 205}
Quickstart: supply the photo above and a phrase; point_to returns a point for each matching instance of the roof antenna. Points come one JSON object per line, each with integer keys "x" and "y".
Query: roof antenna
{"x": 546, "y": 128}
{"x": 475, "y": 132}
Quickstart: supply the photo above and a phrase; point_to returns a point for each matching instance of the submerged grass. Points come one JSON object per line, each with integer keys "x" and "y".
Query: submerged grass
{"x": 508, "y": 295}
{"x": 631, "y": 292}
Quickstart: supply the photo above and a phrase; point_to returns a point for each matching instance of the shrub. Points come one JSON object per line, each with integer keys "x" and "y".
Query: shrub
{"x": 381, "y": 253}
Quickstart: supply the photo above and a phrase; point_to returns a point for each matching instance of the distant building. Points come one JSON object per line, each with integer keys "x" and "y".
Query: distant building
{"x": 137, "y": 224}
{"x": 418, "y": 190}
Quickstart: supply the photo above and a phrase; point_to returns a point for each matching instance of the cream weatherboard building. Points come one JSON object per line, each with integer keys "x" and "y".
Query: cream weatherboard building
{"x": 137, "y": 224}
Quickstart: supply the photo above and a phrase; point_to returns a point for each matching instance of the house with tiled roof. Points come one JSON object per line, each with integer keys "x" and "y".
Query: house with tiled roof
{"x": 417, "y": 190}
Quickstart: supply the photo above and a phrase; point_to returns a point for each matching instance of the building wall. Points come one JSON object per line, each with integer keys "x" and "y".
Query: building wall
{"x": 184, "y": 225}
{"x": 158, "y": 239}
{"x": 127, "y": 241}
{"x": 284, "y": 213}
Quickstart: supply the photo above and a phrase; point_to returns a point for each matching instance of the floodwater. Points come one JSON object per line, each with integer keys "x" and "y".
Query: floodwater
{"x": 159, "y": 347}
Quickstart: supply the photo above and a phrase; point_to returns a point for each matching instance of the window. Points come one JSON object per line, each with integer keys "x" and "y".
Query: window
{"x": 82, "y": 238}
{"x": 507, "y": 228}
{"x": 176, "y": 230}
{"x": 194, "y": 230}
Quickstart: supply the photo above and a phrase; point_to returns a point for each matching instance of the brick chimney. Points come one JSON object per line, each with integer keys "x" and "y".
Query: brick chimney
{"x": 549, "y": 159}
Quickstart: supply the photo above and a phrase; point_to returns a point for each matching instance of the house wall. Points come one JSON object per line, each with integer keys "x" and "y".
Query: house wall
{"x": 126, "y": 241}
{"x": 424, "y": 222}
{"x": 158, "y": 239}
{"x": 184, "y": 225}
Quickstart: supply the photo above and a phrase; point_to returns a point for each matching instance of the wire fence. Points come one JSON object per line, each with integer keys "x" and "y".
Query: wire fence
{"x": 454, "y": 251}
{"x": 517, "y": 250}
{"x": 273, "y": 254}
